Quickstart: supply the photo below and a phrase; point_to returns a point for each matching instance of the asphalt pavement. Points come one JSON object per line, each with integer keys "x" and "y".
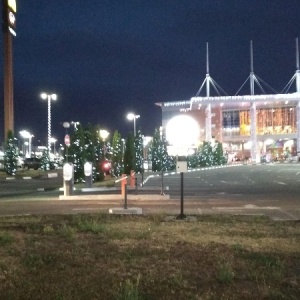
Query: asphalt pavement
{"x": 270, "y": 189}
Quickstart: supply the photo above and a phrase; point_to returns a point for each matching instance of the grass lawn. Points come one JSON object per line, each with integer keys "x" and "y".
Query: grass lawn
{"x": 104, "y": 256}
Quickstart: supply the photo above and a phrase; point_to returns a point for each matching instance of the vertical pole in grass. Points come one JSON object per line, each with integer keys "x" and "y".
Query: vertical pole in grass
{"x": 125, "y": 196}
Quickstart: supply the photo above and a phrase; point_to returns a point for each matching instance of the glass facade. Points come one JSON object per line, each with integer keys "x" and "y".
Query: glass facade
{"x": 280, "y": 120}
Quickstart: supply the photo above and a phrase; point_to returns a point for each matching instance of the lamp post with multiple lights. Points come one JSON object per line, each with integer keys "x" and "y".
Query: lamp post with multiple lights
{"x": 130, "y": 117}
{"x": 49, "y": 97}
{"x": 27, "y": 135}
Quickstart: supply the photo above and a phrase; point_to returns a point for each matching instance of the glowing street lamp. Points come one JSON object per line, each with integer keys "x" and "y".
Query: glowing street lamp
{"x": 53, "y": 140}
{"x": 27, "y": 135}
{"x": 103, "y": 134}
{"x": 130, "y": 117}
{"x": 49, "y": 97}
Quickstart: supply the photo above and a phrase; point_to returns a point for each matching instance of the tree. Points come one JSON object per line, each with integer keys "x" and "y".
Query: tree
{"x": 77, "y": 153}
{"x": 219, "y": 158}
{"x": 155, "y": 151}
{"x": 10, "y": 155}
{"x": 206, "y": 155}
{"x": 45, "y": 160}
{"x": 160, "y": 157}
{"x": 117, "y": 161}
{"x": 129, "y": 154}
{"x": 138, "y": 148}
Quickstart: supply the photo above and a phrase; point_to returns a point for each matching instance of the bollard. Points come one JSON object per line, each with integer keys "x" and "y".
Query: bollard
{"x": 68, "y": 174}
{"x": 125, "y": 196}
{"x": 181, "y": 216}
{"x": 132, "y": 178}
{"x": 88, "y": 170}
{"x": 123, "y": 184}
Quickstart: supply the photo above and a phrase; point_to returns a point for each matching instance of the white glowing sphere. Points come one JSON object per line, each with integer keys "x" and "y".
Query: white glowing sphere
{"x": 182, "y": 130}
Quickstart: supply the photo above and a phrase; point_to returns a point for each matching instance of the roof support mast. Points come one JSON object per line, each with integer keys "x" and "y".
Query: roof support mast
{"x": 254, "y": 151}
{"x": 252, "y": 76}
{"x": 297, "y": 66}
{"x": 208, "y": 136}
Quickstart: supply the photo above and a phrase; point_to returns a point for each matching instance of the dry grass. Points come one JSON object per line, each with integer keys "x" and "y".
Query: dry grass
{"x": 127, "y": 257}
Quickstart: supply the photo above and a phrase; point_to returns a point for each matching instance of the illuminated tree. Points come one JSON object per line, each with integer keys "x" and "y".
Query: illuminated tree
{"x": 206, "y": 155}
{"x": 45, "y": 161}
{"x": 77, "y": 153}
{"x": 117, "y": 156}
{"x": 10, "y": 155}
{"x": 129, "y": 154}
{"x": 218, "y": 154}
{"x": 160, "y": 157}
{"x": 138, "y": 148}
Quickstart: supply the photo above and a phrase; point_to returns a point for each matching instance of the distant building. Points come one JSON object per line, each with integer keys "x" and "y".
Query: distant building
{"x": 249, "y": 126}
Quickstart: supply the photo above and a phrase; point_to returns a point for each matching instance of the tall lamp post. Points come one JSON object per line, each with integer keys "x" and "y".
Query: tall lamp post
{"x": 53, "y": 140}
{"x": 49, "y": 97}
{"x": 130, "y": 117}
{"x": 27, "y": 135}
{"x": 161, "y": 158}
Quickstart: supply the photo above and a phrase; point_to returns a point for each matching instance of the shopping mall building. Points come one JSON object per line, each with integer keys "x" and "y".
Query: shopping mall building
{"x": 249, "y": 127}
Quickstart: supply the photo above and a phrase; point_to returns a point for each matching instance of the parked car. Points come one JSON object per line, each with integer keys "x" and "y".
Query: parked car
{"x": 35, "y": 163}
{"x": 31, "y": 163}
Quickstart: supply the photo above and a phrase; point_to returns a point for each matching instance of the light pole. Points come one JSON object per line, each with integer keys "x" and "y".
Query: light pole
{"x": 161, "y": 158}
{"x": 27, "y": 135}
{"x": 130, "y": 117}
{"x": 49, "y": 97}
{"x": 104, "y": 135}
{"x": 53, "y": 140}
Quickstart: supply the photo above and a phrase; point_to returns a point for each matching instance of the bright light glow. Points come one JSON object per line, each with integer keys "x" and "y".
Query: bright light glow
{"x": 132, "y": 116}
{"x": 289, "y": 143}
{"x": 25, "y": 134}
{"x": 53, "y": 140}
{"x": 103, "y": 134}
{"x": 45, "y": 96}
{"x": 13, "y": 5}
{"x": 269, "y": 142}
{"x": 182, "y": 130}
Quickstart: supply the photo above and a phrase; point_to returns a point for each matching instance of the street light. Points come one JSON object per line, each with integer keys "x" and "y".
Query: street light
{"x": 49, "y": 97}
{"x": 103, "y": 134}
{"x": 130, "y": 117}
{"x": 27, "y": 135}
{"x": 161, "y": 159}
{"x": 53, "y": 140}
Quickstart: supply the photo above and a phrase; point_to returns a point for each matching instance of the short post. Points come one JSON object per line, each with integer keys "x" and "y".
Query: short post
{"x": 181, "y": 166}
{"x": 142, "y": 183}
{"x": 123, "y": 184}
{"x": 68, "y": 172}
{"x": 162, "y": 182}
{"x": 132, "y": 178}
{"x": 88, "y": 170}
{"x": 182, "y": 215}
{"x": 125, "y": 196}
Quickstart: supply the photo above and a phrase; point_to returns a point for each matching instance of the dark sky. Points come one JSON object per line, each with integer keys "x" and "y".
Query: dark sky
{"x": 106, "y": 58}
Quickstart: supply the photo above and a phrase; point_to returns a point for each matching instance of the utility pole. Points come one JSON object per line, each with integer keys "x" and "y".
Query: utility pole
{"x": 9, "y": 10}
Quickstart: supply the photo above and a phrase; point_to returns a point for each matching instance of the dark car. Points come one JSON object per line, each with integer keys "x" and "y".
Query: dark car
{"x": 32, "y": 163}
{"x": 35, "y": 163}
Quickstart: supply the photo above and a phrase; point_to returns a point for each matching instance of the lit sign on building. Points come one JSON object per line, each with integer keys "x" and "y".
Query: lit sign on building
{"x": 12, "y": 5}
{"x": 9, "y": 16}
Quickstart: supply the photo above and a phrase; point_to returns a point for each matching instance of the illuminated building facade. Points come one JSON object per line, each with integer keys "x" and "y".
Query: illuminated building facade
{"x": 249, "y": 126}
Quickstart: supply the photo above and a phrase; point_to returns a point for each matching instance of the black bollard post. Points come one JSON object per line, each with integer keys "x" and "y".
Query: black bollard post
{"x": 182, "y": 215}
{"x": 125, "y": 196}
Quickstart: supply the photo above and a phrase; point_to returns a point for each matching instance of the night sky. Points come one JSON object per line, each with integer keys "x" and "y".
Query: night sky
{"x": 107, "y": 58}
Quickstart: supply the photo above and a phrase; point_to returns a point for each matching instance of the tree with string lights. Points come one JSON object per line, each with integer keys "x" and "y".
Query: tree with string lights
{"x": 10, "y": 155}
{"x": 117, "y": 161}
{"x": 138, "y": 148}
